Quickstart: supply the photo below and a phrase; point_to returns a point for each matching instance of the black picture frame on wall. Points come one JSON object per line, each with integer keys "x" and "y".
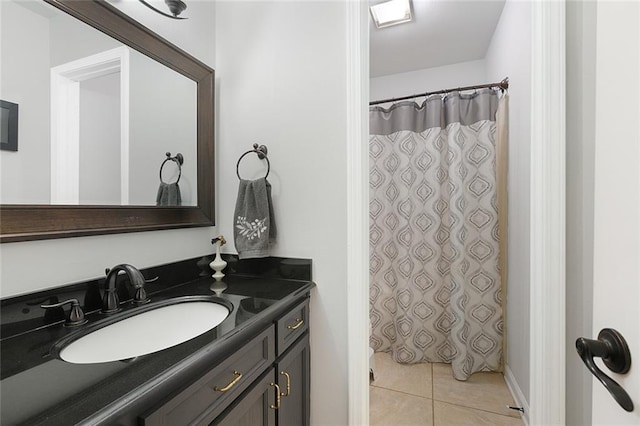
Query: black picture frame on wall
{"x": 8, "y": 126}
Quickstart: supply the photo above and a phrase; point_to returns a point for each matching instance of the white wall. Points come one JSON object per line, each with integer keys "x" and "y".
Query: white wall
{"x": 99, "y": 162}
{"x": 30, "y": 266}
{"x": 510, "y": 55}
{"x": 428, "y": 80}
{"x": 282, "y": 82}
{"x": 24, "y": 80}
{"x": 71, "y": 39}
{"x": 163, "y": 114}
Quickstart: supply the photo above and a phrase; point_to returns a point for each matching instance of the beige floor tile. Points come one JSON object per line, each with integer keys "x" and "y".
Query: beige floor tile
{"x": 484, "y": 391}
{"x": 408, "y": 378}
{"x": 391, "y": 408}
{"x": 455, "y": 415}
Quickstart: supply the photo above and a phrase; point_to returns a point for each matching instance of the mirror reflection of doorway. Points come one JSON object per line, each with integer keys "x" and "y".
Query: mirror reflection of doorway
{"x": 89, "y": 112}
{"x": 99, "y": 147}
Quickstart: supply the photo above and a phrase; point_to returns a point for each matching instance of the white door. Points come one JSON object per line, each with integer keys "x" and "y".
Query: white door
{"x": 617, "y": 198}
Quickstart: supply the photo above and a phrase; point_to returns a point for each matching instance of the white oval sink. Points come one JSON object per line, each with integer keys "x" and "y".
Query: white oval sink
{"x": 147, "y": 332}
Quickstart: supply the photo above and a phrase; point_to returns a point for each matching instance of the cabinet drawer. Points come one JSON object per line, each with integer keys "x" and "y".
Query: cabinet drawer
{"x": 201, "y": 402}
{"x": 291, "y": 326}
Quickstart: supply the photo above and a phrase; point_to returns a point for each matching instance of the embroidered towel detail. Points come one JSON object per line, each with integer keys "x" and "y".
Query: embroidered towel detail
{"x": 168, "y": 195}
{"x": 254, "y": 228}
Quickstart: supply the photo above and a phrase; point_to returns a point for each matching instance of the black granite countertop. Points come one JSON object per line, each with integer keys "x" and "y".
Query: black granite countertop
{"x": 38, "y": 388}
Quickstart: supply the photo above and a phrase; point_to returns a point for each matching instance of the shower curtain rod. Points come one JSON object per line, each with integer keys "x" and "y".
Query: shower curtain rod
{"x": 504, "y": 85}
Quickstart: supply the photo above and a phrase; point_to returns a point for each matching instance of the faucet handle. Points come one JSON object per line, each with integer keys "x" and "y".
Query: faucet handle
{"x": 110, "y": 301}
{"x": 76, "y": 315}
{"x": 140, "y": 298}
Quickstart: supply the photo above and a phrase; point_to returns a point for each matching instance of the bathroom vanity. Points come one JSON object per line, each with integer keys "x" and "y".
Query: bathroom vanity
{"x": 253, "y": 368}
{"x": 251, "y": 386}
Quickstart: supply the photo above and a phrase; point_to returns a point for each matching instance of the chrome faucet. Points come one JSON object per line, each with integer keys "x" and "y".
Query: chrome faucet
{"x": 110, "y": 301}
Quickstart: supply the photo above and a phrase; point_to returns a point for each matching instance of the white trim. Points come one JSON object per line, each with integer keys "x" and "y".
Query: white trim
{"x": 65, "y": 121}
{"x": 65, "y": 139}
{"x": 517, "y": 394}
{"x": 357, "y": 61}
{"x": 547, "y": 302}
{"x": 125, "y": 97}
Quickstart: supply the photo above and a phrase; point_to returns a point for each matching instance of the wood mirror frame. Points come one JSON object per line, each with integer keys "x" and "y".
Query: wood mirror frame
{"x": 38, "y": 222}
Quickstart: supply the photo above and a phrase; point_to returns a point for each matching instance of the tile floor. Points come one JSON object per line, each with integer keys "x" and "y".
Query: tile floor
{"x": 428, "y": 395}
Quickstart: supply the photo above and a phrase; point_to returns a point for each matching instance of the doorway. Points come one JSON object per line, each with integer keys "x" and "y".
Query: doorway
{"x": 546, "y": 247}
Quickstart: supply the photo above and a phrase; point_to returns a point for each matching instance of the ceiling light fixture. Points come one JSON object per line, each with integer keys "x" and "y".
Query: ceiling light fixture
{"x": 175, "y": 6}
{"x": 390, "y": 13}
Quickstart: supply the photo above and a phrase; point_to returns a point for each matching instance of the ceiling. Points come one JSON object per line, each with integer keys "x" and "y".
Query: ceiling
{"x": 443, "y": 32}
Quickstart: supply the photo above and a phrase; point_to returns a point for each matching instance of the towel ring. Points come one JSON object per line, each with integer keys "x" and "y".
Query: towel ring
{"x": 261, "y": 151}
{"x": 178, "y": 159}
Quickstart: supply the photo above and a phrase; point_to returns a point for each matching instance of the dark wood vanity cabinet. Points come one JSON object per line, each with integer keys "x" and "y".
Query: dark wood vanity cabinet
{"x": 265, "y": 382}
{"x": 292, "y": 372}
{"x": 261, "y": 405}
{"x": 255, "y": 408}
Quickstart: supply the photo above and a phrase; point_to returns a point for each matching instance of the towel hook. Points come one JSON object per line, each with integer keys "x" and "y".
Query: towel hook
{"x": 178, "y": 159}
{"x": 261, "y": 151}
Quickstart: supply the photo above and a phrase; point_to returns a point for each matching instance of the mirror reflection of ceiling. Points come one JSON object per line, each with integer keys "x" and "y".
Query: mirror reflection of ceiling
{"x": 442, "y": 32}
{"x": 95, "y": 117}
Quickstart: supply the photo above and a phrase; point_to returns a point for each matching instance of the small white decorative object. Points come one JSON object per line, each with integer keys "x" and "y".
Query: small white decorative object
{"x": 218, "y": 287}
{"x": 218, "y": 264}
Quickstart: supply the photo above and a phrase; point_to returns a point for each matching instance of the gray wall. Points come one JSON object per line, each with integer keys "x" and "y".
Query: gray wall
{"x": 581, "y": 54}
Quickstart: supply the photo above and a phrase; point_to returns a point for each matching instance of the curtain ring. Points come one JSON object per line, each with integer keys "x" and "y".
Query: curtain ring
{"x": 178, "y": 159}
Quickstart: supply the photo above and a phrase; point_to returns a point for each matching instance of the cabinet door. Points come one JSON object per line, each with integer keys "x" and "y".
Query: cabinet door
{"x": 293, "y": 374}
{"x": 253, "y": 408}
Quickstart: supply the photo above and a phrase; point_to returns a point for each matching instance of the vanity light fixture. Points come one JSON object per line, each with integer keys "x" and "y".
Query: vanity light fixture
{"x": 176, "y": 7}
{"x": 391, "y": 12}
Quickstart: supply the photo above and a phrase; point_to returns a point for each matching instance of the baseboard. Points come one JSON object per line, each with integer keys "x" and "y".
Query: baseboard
{"x": 517, "y": 394}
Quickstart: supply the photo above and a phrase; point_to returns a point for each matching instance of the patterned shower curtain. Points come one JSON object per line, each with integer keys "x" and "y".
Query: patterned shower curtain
{"x": 436, "y": 292}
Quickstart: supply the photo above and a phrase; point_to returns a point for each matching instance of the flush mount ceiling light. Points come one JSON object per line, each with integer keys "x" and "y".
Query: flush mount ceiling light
{"x": 175, "y": 6}
{"x": 390, "y": 13}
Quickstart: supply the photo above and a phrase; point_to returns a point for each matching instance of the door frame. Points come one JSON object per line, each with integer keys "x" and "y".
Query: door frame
{"x": 548, "y": 218}
{"x": 547, "y": 209}
{"x": 65, "y": 120}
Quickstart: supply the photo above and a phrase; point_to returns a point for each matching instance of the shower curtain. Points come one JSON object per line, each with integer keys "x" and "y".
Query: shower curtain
{"x": 436, "y": 290}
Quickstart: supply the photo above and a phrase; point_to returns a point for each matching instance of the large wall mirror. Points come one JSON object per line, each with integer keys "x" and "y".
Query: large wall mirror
{"x": 104, "y": 108}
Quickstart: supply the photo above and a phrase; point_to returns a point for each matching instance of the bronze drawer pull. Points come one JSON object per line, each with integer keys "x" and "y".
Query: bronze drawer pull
{"x": 284, "y": 373}
{"x": 231, "y": 384}
{"x": 298, "y": 324}
{"x": 277, "y": 406}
